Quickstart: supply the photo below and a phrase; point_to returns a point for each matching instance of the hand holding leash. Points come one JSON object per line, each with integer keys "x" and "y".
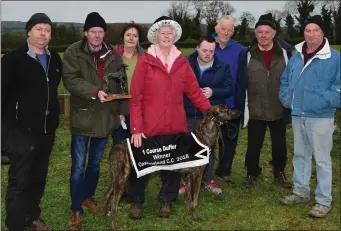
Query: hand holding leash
{"x": 136, "y": 139}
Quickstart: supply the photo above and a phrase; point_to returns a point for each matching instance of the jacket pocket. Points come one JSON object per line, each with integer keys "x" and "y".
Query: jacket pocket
{"x": 313, "y": 102}
{"x": 81, "y": 119}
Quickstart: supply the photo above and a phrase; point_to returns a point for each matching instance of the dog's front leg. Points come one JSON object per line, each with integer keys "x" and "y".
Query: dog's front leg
{"x": 196, "y": 177}
{"x": 108, "y": 199}
{"x": 121, "y": 172}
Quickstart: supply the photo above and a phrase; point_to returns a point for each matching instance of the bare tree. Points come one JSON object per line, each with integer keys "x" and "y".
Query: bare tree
{"x": 215, "y": 9}
{"x": 178, "y": 11}
{"x": 250, "y": 19}
{"x": 226, "y": 8}
{"x": 247, "y": 20}
{"x": 199, "y": 7}
{"x": 277, "y": 15}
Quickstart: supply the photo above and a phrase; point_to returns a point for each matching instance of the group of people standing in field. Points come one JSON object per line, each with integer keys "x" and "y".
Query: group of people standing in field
{"x": 268, "y": 82}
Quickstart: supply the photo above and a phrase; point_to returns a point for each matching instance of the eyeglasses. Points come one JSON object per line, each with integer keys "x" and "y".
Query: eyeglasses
{"x": 206, "y": 50}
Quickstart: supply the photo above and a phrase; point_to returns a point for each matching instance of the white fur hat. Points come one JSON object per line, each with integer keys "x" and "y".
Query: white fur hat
{"x": 160, "y": 22}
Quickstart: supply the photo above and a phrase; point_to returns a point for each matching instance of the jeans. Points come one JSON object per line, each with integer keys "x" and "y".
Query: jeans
{"x": 29, "y": 157}
{"x": 83, "y": 183}
{"x": 313, "y": 137}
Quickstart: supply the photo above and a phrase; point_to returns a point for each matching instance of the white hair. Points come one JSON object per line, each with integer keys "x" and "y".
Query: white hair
{"x": 226, "y": 17}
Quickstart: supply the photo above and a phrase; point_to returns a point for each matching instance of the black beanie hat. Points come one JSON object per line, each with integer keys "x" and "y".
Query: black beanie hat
{"x": 36, "y": 19}
{"x": 94, "y": 20}
{"x": 266, "y": 19}
{"x": 316, "y": 19}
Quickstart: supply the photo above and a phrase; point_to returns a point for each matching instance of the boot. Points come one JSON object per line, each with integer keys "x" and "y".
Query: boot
{"x": 165, "y": 209}
{"x": 135, "y": 211}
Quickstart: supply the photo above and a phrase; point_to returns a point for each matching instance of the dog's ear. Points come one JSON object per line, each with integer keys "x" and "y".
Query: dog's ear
{"x": 209, "y": 112}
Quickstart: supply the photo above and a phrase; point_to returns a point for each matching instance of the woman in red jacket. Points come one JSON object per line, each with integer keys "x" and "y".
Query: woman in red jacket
{"x": 161, "y": 78}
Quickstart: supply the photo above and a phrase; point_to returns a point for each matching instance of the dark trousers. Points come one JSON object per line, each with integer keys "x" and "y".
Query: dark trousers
{"x": 29, "y": 157}
{"x": 226, "y": 154}
{"x": 121, "y": 134}
{"x": 256, "y": 134}
{"x": 168, "y": 193}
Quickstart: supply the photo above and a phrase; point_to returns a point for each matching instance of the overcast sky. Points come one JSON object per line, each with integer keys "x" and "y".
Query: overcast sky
{"x": 112, "y": 11}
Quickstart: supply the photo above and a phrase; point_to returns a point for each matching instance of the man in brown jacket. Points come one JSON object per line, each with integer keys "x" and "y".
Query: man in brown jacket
{"x": 88, "y": 65}
{"x": 261, "y": 67}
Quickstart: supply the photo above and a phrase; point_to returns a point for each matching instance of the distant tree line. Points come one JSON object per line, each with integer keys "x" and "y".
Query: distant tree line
{"x": 200, "y": 17}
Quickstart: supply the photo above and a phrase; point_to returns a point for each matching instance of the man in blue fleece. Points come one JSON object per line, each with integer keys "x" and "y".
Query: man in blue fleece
{"x": 228, "y": 51}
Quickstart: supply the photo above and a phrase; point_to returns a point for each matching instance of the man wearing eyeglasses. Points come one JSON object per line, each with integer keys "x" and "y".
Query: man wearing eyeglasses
{"x": 93, "y": 118}
{"x": 227, "y": 50}
{"x": 260, "y": 69}
{"x": 214, "y": 78}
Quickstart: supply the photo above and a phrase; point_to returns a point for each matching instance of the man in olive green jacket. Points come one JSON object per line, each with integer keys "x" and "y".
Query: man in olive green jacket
{"x": 89, "y": 67}
{"x": 257, "y": 89}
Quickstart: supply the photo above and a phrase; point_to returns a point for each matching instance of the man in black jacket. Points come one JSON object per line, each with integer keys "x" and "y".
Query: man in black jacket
{"x": 30, "y": 76}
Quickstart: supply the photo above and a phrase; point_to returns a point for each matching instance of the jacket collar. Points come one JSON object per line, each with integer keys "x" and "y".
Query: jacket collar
{"x": 192, "y": 58}
{"x": 120, "y": 49}
{"x": 277, "y": 48}
{"x": 324, "y": 53}
{"x": 215, "y": 36}
{"x": 286, "y": 46}
{"x": 32, "y": 54}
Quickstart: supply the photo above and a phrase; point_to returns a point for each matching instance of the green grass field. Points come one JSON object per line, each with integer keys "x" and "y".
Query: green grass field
{"x": 239, "y": 208}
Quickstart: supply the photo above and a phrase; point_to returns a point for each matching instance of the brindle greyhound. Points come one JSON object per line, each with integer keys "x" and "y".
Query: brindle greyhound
{"x": 121, "y": 165}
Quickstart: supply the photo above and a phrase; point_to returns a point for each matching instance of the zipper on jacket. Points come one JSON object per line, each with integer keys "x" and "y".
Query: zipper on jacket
{"x": 16, "y": 110}
{"x": 48, "y": 89}
{"x": 304, "y": 67}
{"x": 48, "y": 93}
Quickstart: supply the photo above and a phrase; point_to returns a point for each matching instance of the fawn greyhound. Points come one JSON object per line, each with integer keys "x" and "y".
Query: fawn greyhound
{"x": 121, "y": 165}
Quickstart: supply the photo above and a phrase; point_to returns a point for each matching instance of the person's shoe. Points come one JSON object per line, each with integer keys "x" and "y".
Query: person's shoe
{"x": 40, "y": 225}
{"x": 319, "y": 211}
{"x": 182, "y": 189}
{"x": 135, "y": 211}
{"x": 282, "y": 180}
{"x": 165, "y": 209}
{"x": 213, "y": 187}
{"x": 91, "y": 205}
{"x": 227, "y": 179}
{"x": 4, "y": 159}
{"x": 75, "y": 221}
{"x": 250, "y": 181}
{"x": 293, "y": 199}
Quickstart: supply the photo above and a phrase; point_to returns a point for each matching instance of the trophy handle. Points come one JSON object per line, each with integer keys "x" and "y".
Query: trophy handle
{"x": 114, "y": 97}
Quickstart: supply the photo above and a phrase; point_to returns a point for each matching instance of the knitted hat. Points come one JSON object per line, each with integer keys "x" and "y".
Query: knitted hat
{"x": 36, "y": 19}
{"x": 164, "y": 21}
{"x": 316, "y": 19}
{"x": 266, "y": 19}
{"x": 94, "y": 20}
